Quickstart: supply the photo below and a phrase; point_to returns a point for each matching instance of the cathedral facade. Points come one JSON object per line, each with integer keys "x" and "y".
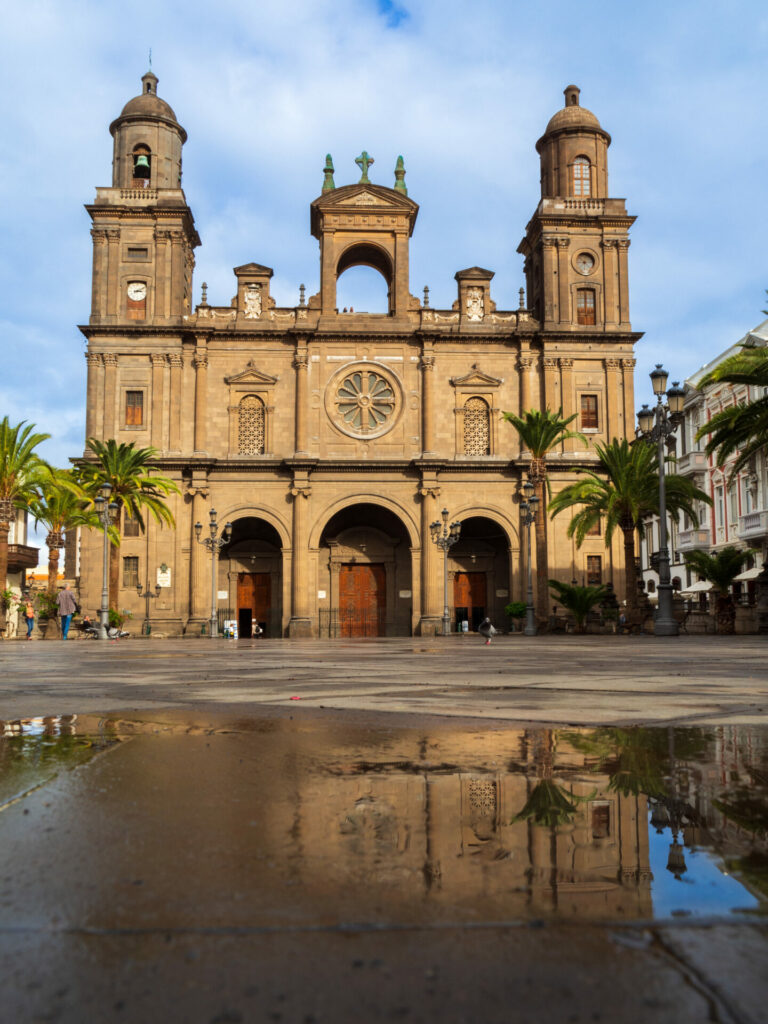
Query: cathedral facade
{"x": 332, "y": 441}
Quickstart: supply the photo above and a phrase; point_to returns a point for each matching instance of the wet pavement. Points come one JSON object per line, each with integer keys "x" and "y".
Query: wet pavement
{"x": 298, "y": 863}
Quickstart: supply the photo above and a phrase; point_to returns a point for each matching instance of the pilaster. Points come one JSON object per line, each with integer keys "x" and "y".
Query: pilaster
{"x": 628, "y": 377}
{"x": 549, "y": 279}
{"x": 614, "y": 426}
{"x": 623, "y": 247}
{"x": 551, "y": 400}
{"x": 431, "y": 604}
{"x": 567, "y": 397}
{"x": 175, "y": 404}
{"x": 94, "y": 394}
{"x": 610, "y": 282}
{"x": 110, "y": 394}
{"x": 563, "y": 298}
{"x": 300, "y": 624}
{"x": 158, "y": 386}
{"x": 200, "y": 362}
{"x": 427, "y": 402}
{"x": 300, "y": 362}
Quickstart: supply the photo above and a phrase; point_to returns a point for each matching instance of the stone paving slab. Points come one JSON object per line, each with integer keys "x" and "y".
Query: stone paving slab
{"x": 557, "y": 680}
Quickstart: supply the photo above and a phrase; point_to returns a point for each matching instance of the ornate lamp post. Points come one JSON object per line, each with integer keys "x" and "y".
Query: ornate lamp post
{"x": 528, "y": 516}
{"x": 148, "y": 596}
{"x": 655, "y": 426}
{"x": 445, "y": 537}
{"x": 105, "y": 510}
{"x": 214, "y": 545}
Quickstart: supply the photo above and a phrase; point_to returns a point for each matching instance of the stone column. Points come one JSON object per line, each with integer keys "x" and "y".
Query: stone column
{"x": 614, "y": 397}
{"x": 300, "y": 362}
{"x": 399, "y": 295}
{"x": 94, "y": 401}
{"x": 199, "y": 557}
{"x": 162, "y": 297}
{"x": 158, "y": 382}
{"x": 113, "y": 298}
{"x": 110, "y": 394}
{"x": 175, "y": 402}
{"x": 551, "y": 397}
{"x": 549, "y": 278}
{"x": 301, "y": 623}
{"x": 610, "y": 282}
{"x": 427, "y": 403}
{"x": 628, "y": 376}
{"x": 98, "y": 280}
{"x": 527, "y": 401}
{"x": 200, "y": 362}
{"x": 623, "y": 282}
{"x": 564, "y": 301}
{"x": 567, "y": 398}
{"x": 431, "y": 565}
{"x": 176, "y": 284}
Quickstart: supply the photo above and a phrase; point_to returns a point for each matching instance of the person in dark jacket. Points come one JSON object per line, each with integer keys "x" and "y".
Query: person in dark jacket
{"x": 67, "y": 605}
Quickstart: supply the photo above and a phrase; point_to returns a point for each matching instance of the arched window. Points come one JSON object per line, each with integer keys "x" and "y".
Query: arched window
{"x": 585, "y": 307}
{"x": 250, "y": 426}
{"x": 581, "y": 177}
{"x": 142, "y": 166}
{"x": 477, "y": 427}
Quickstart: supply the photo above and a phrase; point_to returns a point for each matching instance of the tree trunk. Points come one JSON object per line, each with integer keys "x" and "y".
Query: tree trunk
{"x": 5, "y": 528}
{"x": 542, "y": 559}
{"x": 53, "y": 566}
{"x": 630, "y": 572}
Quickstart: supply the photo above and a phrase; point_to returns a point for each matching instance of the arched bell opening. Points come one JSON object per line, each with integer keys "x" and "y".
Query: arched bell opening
{"x": 251, "y": 574}
{"x": 142, "y": 166}
{"x": 364, "y": 574}
{"x": 479, "y": 575}
{"x": 362, "y": 291}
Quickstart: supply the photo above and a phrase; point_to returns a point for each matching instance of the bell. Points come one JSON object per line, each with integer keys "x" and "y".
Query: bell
{"x": 141, "y": 166}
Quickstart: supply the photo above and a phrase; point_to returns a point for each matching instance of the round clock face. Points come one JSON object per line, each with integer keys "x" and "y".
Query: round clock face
{"x": 585, "y": 263}
{"x": 137, "y": 291}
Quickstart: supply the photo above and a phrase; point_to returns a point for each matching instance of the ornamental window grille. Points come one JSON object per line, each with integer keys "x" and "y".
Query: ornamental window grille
{"x": 477, "y": 427}
{"x": 365, "y": 401}
{"x": 250, "y": 426}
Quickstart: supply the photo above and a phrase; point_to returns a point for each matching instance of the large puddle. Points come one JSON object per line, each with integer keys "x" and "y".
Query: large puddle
{"x": 316, "y": 820}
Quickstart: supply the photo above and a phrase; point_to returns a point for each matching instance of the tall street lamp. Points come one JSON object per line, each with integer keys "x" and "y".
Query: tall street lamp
{"x": 105, "y": 510}
{"x": 445, "y": 537}
{"x": 655, "y": 426}
{"x": 214, "y": 545}
{"x": 528, "y": 510}
{"x": 148, "y": 596}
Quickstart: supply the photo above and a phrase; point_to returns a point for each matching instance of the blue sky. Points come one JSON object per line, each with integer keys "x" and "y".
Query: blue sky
{"x": 266, "y": 89}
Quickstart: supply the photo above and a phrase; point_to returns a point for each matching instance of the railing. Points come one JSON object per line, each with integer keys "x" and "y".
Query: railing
{"x": 753, "y": 524}
{"x": 340, "y": 622}
{"x": 691, "y": 462}
{"x": 693, "y": 540}
{"x": 138, "y": 193}
{"x": 592, "y": 205}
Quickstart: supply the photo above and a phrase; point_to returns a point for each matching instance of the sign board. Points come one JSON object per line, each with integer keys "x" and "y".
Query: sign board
{"x": 321, "y": 595}
{"x": 164, "y": 577}
{"x": 405, "y": 593}
{"x": 223, "y": 595}
{"x": 502, "y": 593}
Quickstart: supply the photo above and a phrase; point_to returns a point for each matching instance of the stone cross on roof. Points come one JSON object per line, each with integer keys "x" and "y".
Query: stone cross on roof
{"x": 364, "y": 162}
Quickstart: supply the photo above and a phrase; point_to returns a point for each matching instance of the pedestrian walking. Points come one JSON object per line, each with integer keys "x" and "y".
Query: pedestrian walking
{"x": 486, "y": 629}
{"x": 29, "y": 616}
{"x": 67, "y": 606}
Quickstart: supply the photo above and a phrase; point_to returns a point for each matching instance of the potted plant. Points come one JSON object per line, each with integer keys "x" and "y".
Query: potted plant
{"x": 515, "y": 611}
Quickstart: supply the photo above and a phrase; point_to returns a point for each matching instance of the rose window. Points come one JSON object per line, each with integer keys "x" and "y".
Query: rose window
{"x": 365, "y": 402}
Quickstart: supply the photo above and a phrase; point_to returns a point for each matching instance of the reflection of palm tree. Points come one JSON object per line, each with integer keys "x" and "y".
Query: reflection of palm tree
{"x": 549, "y": 803}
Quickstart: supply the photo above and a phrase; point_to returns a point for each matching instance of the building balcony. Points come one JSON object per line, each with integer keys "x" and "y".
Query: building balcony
{"x": 21, "y": 556}
{"x": 692, "y": 462}
{"x": 694, "y": 540}
{"x": 753, "y": 526}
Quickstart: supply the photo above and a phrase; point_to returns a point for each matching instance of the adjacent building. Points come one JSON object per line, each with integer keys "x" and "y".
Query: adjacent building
{"x": 333, "y": 440}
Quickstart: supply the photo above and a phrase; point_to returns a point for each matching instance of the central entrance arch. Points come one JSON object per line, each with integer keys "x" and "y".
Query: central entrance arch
{"x": 251, "y": 572}
{"x": 364, "y": 574}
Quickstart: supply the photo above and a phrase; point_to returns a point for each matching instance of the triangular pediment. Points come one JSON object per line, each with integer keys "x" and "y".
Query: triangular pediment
{"x": 474, "y": 274}
{"x": 251, "y": 375}
{"x": 364, "y": 195}
{"x": 476, "y": 378}
{"x": 255, "y": 269}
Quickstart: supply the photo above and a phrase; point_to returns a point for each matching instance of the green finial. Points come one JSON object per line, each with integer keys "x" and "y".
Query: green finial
{"x": 400, "y": 176}
{"x": 364, "y": 162}
{"x": 328, "y": 182}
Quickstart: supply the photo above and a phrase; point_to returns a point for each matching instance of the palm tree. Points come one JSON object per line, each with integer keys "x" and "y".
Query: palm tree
{"x": 740, "y": 429}
{"x": 721, "y": 569}
{"x": 540, "y": 431}
{"x": 622, "y": 492}
{"x": 135, "y": 487}
{"x": 20, "y": 467}
{"x": 60, "y": 503}
{"x": 579, "y": 600}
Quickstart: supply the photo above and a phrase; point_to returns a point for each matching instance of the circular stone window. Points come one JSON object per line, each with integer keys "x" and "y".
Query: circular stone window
{"x": 363, "y": 401}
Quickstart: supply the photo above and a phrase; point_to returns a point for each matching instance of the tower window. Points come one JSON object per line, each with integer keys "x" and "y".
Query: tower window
{"x": 585, "y": 307}
{"x": 134, "y": 408}
{"x": 477, "y": 427}
{"x": 594, "y": 570}
{"x": 581, "y": 177}
{"x": 131, "y": 527}
{"x": 250, "y": 432}
{"x": 589, "y": 412}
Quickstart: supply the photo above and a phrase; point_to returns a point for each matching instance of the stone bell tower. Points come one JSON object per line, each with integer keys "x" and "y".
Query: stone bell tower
{"x": 576, "y": 243}
{"x": 143, "y": 231}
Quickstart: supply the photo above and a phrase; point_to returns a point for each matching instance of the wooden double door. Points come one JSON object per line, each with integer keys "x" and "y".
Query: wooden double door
{"x": 470, "y": 598}
{"x": 254, "y": 602}
{"x": 362, "y": 600}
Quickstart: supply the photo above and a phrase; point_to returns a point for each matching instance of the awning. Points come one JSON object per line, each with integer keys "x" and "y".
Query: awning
{"x": 748, "y": 574}
{"x": 700, "y": 587}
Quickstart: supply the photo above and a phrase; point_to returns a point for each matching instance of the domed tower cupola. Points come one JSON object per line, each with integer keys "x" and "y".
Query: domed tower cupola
{"x": 574, "y": 152}
{"x": 148, "y": 141}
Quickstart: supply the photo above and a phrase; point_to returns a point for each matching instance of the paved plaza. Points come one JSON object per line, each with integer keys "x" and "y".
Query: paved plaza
{"x": 587, "y": 680}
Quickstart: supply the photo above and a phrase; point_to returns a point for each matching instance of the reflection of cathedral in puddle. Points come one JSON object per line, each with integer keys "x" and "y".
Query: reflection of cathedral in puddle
{"x": 453, "y": 832}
